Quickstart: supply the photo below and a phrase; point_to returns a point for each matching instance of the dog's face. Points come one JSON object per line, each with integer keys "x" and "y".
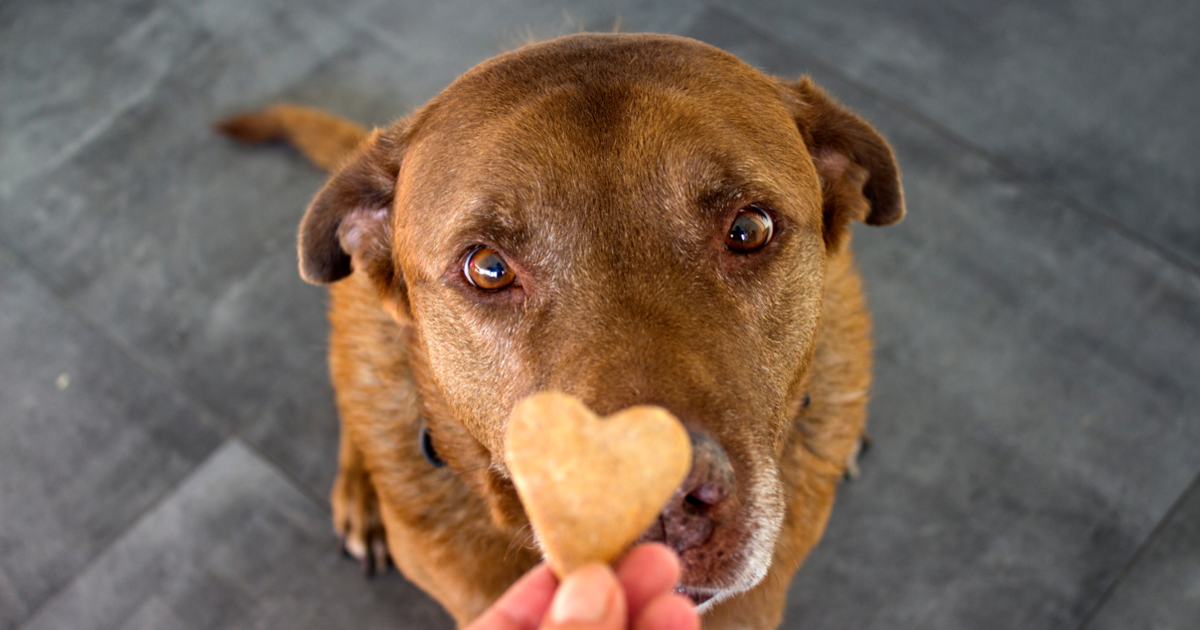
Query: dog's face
{"x": 629, "y": 219}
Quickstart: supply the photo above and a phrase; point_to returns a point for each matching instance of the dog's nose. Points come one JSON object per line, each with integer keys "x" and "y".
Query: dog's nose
{"x": 694, "y": 510}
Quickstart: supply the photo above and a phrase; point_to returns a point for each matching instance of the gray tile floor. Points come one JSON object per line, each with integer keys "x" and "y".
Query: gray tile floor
{"x": 167, "y": 433}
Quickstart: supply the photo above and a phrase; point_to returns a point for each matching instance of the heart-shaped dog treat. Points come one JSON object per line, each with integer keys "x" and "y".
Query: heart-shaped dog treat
{"x": 592, "y": 485}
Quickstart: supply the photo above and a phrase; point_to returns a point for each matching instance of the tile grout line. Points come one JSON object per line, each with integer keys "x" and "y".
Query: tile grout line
{"x": 1139, "y": 553}
{"x": 206, "y": 416}
{"x": 999, "y": 162}
{"x": 240, "y": 433}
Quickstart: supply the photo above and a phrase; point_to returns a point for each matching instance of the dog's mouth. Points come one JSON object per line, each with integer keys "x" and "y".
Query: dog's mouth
{"x": 698, "y": 594}
{"x": 719, "y": 557}
{"x": 696, "y": 563}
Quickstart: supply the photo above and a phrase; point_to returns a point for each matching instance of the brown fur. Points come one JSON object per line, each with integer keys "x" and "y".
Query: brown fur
{"x": 605, "y": 168}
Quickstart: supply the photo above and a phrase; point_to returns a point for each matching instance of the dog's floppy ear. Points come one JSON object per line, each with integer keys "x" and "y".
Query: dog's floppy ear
{"x": 348, "y": 223}
{"x": 859, "y": 177}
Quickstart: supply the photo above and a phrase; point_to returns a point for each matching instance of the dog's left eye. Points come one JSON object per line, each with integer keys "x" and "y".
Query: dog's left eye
{"x": 751, "y": 229}
{"x": 486, "y": 270}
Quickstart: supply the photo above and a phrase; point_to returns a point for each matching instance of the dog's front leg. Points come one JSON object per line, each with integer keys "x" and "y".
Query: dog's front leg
{"x": 355, "y": 504}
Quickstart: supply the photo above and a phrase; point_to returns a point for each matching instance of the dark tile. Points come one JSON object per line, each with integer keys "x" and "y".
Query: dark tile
{"x": 89, "y": 440}
{"x": 72, "y": 68}
{"x": 1096, "y": 98}
{"x": 1162, "y": 589}
{"x": 179, "y": 242}
{"x": 1033, "y": 411}
{"x": 237, "y": 546}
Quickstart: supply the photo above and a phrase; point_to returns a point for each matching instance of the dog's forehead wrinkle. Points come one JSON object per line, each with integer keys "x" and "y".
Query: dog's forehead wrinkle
{"x": 567, "y": 222}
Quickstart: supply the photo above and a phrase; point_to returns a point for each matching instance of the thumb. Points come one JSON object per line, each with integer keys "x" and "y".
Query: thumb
{"x": 588, "y": 599}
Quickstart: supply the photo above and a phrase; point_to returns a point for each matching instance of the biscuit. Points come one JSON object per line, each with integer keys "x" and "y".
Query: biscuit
{"x": 592, "y": 485}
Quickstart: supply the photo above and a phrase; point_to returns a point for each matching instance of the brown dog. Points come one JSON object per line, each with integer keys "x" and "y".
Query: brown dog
{"x": 627, "y": 218}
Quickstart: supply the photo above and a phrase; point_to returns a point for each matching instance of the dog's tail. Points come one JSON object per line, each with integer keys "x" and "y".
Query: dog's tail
{"x": 323, "y": 138}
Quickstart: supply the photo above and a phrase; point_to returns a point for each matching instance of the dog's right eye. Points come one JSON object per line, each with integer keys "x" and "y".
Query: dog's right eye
{"x": 486, "y": 270}
{"x": 751, "y": 230}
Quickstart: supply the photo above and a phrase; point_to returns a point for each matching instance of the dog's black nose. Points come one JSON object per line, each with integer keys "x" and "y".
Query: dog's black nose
{"x": 694, "y": 510}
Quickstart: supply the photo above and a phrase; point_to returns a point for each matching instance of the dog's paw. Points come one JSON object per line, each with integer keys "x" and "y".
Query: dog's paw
{"x": 357, "y": 523}
{"x": 860, "y": 449}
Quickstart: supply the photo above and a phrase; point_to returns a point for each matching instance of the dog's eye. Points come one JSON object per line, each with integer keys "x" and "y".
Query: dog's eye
{"x": 751, "y": 229}
{"x": 486, "y": 270}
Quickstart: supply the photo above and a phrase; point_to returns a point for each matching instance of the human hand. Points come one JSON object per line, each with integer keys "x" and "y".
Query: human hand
{"x": 638, "y": 596}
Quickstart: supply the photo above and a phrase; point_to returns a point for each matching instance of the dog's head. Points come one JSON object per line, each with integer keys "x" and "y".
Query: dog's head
{"x": 630, "y": 219}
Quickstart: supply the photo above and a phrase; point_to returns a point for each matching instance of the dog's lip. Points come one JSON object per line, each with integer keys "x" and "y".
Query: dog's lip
{"x": 698, "y": 594}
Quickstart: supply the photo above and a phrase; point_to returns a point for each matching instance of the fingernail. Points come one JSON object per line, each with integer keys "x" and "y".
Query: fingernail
{"x": 584, "y": 596}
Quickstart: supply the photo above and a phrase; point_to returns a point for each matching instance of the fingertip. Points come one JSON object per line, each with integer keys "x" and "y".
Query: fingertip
{"x": 589, "y": 597}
